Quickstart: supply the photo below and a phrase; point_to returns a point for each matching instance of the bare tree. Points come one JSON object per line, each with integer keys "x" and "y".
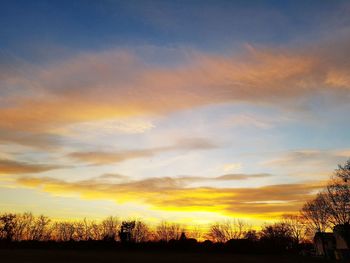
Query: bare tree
{"x": 343, "y": 172}
{"x": 316, "y": 212}
{"x": 338, "y": 191}
{"x": 277, "y": 236}
{"x": 195, "y": 232}
{"x": 339, "y": 203}
{"x": 79, "y": 231}
{"x": 8, "y": 226}
{"x": 110, "y": 227}
{"x": 63, "y": 231}
{"x": 87, "y": 229}
{"x": 217, "y": 233}
{"x": 82, "y": 230}
{"x": 251, "y": 235}
{"x": 141, "y": 232}
{"x": 230, "y": 229}
{"x": 96, "y": 231}
{"x": 23, "y": 226}
{"x": 297, "y": 226}
{"x": 39, "y": 228}
{"x": 166, "y": 231}
{"x": 331, "y": 207}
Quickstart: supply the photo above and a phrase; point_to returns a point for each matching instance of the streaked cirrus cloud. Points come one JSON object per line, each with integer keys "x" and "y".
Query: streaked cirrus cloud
{"x": 17, "y": 167}
{"x": 120, "y": 83}
{"x": 166, "y": 193}
{"x": 314, "y": 157}
{"x": 100, "y": 157}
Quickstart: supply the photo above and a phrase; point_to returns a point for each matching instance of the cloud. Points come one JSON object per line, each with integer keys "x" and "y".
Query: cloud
{"x": 185, "y": 180}
{"x": 120, "y": 84}
{"x": 15, "y": 167}
{"x": 228, "y": 177}
{"x": 338, "y": 79}
{"x": 113, "y": 176}
{"x": 248, "y": 120}
{"x": 110, "y": 126}
{"x": 171, "y": 194}
{"x": 309, "y": 158}
{"x": 307, "y": 163}
{"x": 232, "y": 166}
{"x": 39, "y": 140}
{"x": 256, "y": 120}
{"x": 101, "y": 158}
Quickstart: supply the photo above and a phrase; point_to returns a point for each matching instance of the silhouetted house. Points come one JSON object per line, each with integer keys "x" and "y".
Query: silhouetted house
{"x": 342, "y": 239}
{"x": 325, "y": 244}
{"x": 334, "y": 245}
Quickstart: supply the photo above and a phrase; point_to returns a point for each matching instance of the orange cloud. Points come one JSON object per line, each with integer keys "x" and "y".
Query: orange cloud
{"x": 15, "y": 167}
{"x": 173, "y": 194}
{"x": 117, "y": 83}
{"x": 25, "y": 138}
{"x": 338, "y": 79}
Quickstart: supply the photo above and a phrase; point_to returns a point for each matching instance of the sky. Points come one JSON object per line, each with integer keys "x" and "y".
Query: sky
{"x": 186, "y": 111}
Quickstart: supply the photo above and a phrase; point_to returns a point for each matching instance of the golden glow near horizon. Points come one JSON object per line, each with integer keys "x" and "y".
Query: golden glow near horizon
{"x": 171, "y": 128}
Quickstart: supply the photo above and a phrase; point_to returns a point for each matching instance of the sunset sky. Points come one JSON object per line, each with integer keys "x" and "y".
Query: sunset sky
{"x": 187, "y": 111}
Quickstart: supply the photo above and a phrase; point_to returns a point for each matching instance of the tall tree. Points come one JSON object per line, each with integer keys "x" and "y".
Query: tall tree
{"x": 140, "y": 232}
{"x": 230, "y": 229}
{"x": 166, "y": 231}
{"x": 338, "y": 191}
{"x": 8, "y": 226}
{"x": 297, "y": 226}
{"x": 316, "y": 212}
{"x": 277, "y": 236}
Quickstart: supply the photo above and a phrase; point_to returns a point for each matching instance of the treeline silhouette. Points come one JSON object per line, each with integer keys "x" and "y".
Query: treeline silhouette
{"x": 28, "y": 231}
{"x": 293, "y": 233}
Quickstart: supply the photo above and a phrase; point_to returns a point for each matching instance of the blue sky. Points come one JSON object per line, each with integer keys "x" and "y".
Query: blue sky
{"x": 171, "y": 109}
{"x": 76, "y": 25}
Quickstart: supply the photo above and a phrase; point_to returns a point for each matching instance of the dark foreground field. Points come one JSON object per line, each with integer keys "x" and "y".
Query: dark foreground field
{"x": 68, "y": 256}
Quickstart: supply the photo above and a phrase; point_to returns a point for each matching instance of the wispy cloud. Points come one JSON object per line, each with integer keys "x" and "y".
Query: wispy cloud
{"x": 100, "y": 158}
{"x": 118, "y": 83}
{"x": 16, "y": 167}
{"x": 110, "y": 126}
{"x": 229, "y": 167}
{"x": 40, "y": 140}
{"x": 227, "y": 177}
{"x": 311, "y": 157}
{"x": 258, "y": 121}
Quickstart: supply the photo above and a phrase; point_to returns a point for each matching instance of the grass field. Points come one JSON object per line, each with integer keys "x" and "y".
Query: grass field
{"x": 70, "y": 256}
